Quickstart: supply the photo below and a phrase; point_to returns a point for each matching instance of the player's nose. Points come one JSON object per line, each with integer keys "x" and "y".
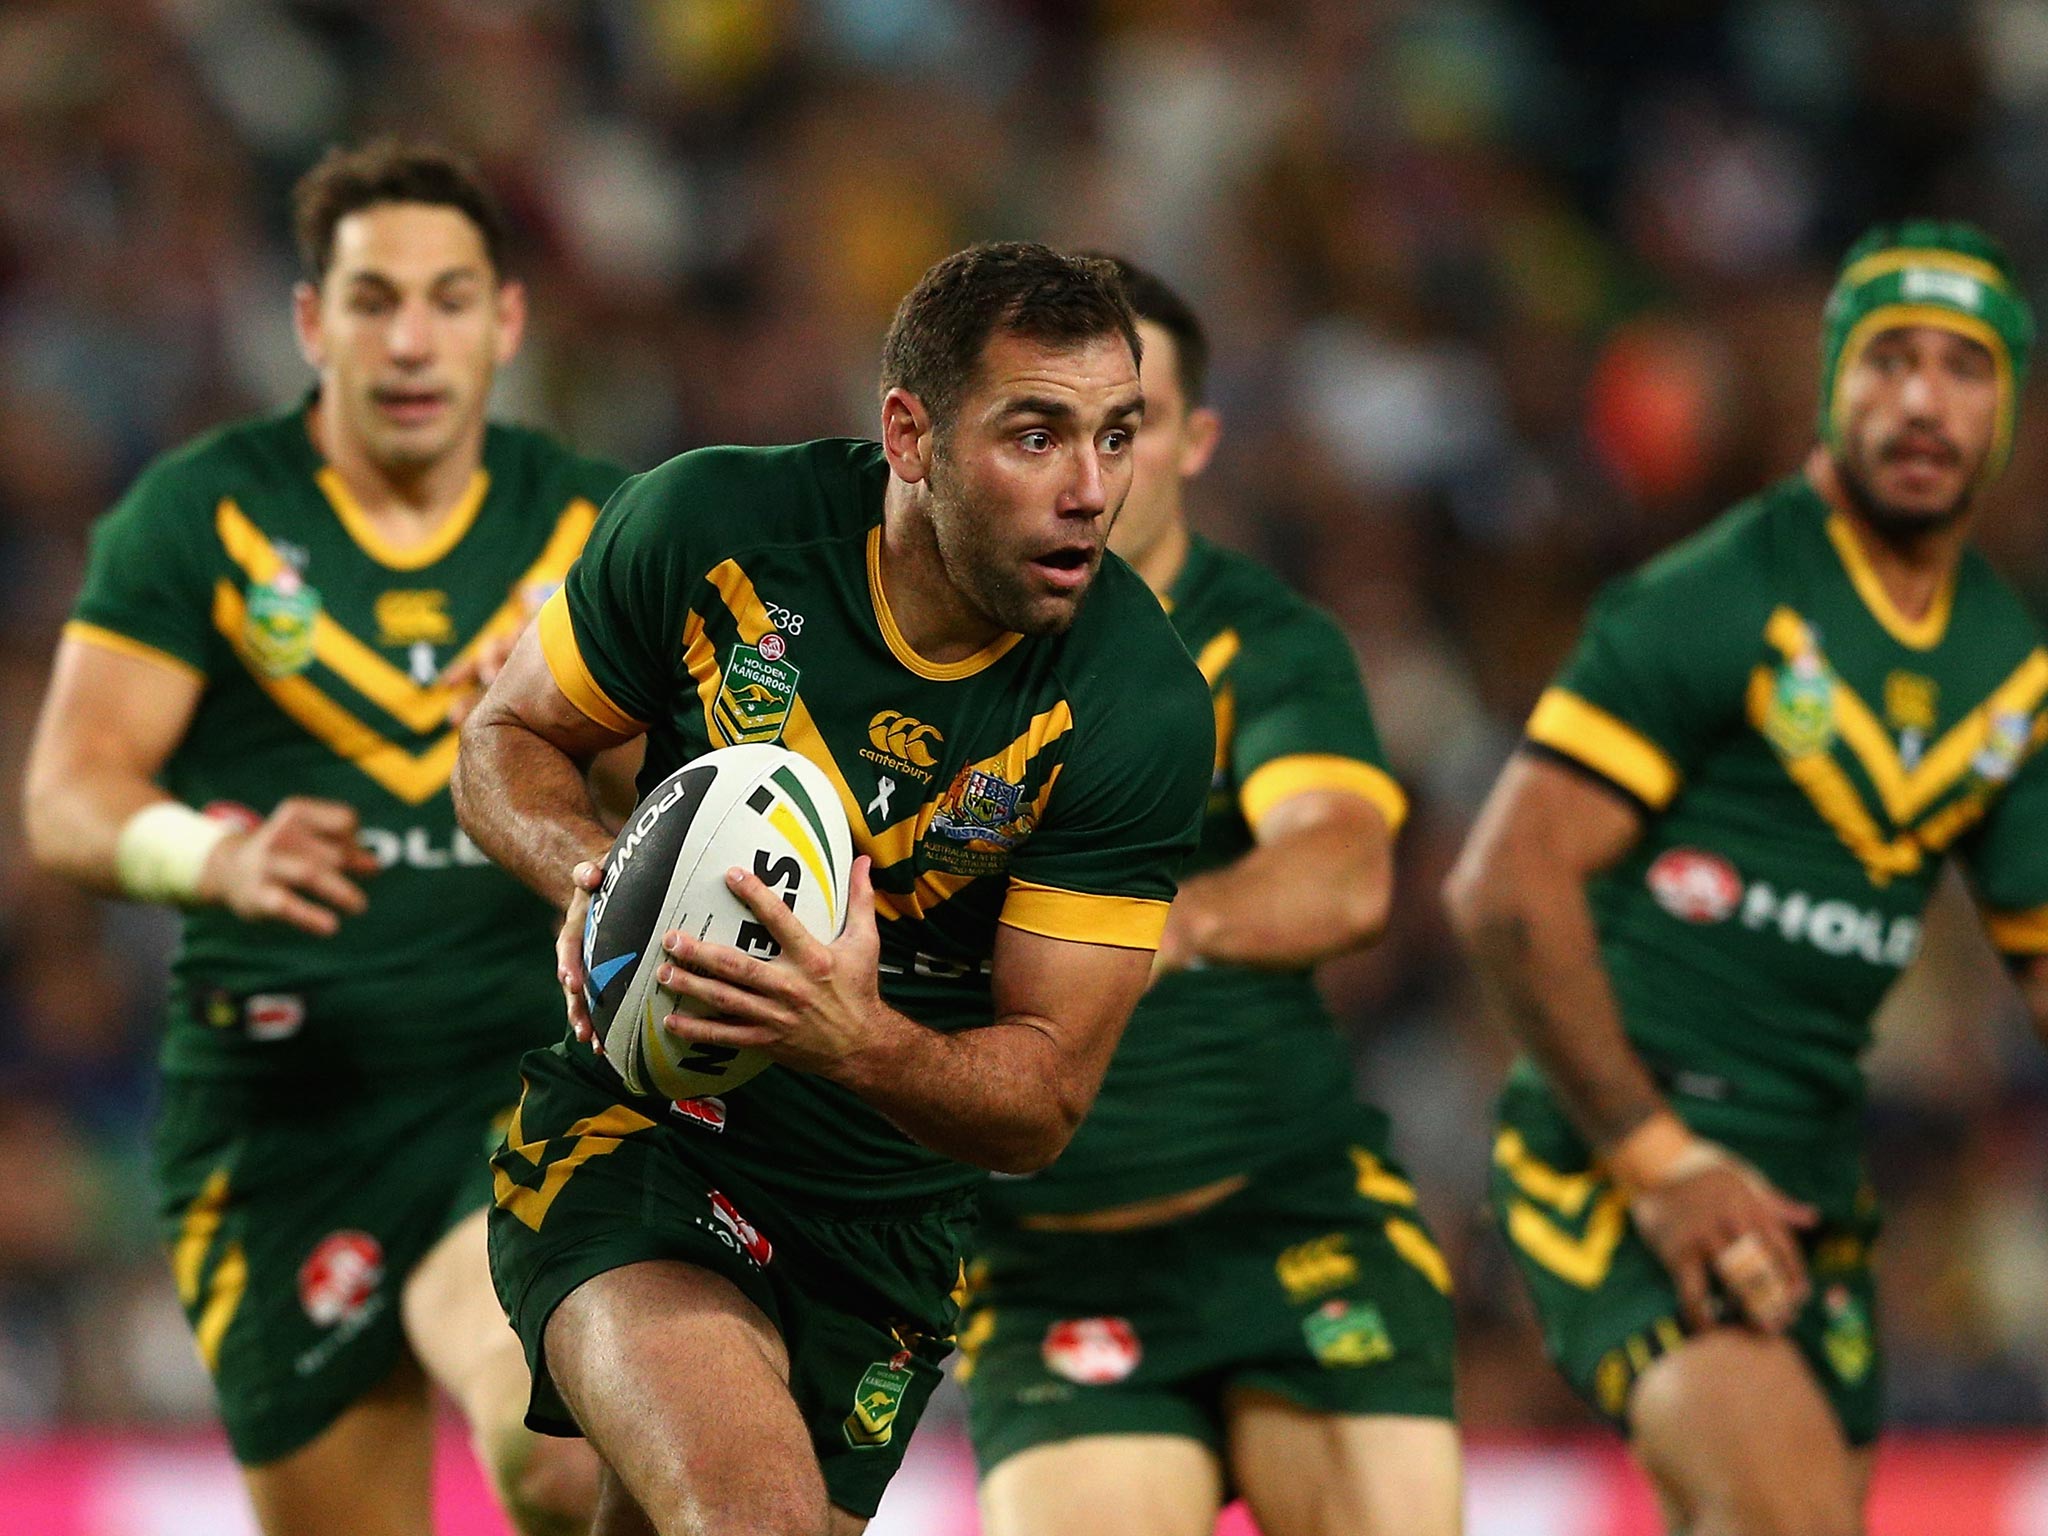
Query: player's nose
{"x": 1087, "y": 490}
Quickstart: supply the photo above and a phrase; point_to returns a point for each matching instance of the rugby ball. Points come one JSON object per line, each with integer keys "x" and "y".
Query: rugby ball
{"x": 756, "y": 807}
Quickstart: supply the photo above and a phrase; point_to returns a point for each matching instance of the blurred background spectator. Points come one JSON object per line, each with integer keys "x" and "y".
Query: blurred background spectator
{"x": 1506, "y": 295}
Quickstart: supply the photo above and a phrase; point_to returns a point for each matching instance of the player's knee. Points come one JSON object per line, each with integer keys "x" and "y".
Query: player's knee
{"x": 547, "y": 1486}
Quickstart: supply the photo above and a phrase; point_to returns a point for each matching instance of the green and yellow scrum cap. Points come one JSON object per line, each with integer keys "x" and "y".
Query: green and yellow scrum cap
{"x": 1927, "y": 272}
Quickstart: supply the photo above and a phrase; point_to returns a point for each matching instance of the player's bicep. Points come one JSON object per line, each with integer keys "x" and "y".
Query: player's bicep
{"x": 529, "y": 695}
{"x": 1547, "y": 820}
{"x": 1078, "y": 994}
{"x": 110, "y": 710}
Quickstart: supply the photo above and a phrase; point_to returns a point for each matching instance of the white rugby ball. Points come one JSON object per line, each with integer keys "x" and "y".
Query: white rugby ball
{"x": 759, "y": 807}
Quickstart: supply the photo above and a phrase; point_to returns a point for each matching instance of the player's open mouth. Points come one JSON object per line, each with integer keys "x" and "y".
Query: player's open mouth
{"x": 410, "y": 407}
{"x": 1066, "y": 570}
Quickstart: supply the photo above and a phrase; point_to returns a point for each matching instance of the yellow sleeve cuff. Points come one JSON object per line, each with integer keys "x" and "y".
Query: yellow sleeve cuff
{"x": 1284, "y": 777}
{"x": 565, "y": 662}
{"x": 1615, "y": 750}
{"x": 123, "y": 645}
{"x": 1127, "y": 922}
{"x": 2018, "y": 933}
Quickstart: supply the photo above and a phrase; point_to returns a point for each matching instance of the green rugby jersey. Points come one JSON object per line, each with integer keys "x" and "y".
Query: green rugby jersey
{"x": 1806, "y": 756}
{"x": 1051, "y": 784}
{"x": 243, "y": 561}
{"x": 1224, "y": 1069}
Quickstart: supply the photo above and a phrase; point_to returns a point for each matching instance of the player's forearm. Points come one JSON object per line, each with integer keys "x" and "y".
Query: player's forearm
{"x": 1535, "y": 948}
{"x": 1283, "y": 906}
{"x": 72, "y": 816}
{"x": 525, "y": 803}
{"x": 998, "y": 1097}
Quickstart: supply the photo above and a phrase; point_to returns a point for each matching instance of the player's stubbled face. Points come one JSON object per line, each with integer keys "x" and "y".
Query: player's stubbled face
{"x": 1028, "y": 479}
{"x": 411, "y": 324}
{"x": 1921, "y": 408}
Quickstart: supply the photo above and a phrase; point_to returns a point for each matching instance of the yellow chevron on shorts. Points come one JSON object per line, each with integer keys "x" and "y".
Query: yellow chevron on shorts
{"x": 1375, "y": 1182}
{"x": 1414, "y": 1245}
{"x": 1567, "y": 1192}
{"x": 196, "y": 1231}
{"x": 593, "y": 1136}
{"x": 1582, "y": 1261}
{"x": 223, "y": 1298}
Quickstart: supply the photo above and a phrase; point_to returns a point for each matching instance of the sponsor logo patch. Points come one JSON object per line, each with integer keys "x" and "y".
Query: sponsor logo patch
{"x": 1093, "y": 1351}
{"x": 274, "y": 1015}
{"x": 1694, "y": 885}
{"x": 756, "y": 693}
{"x": 340, "y": 1276}
{"x": 709, "y": 1113}
{"x": 277, "y": 628}
{"x": 743, "y": 1231}
{"x": 1347, "y": 1333}
{"x": 876, "y": 1402}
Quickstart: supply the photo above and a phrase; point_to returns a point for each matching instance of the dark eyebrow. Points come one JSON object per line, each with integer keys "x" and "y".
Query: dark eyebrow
{"x": 1037, "y": 405}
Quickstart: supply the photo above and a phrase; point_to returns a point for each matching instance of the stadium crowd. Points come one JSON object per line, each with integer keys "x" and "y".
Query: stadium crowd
{"x": 1505, "y": 297}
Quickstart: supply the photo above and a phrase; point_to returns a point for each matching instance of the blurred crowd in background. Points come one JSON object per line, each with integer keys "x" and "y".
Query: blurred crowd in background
{"x": 1506, "y": 294}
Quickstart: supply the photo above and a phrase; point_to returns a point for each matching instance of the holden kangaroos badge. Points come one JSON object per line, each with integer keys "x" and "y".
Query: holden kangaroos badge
{"x": 758, "y": 689}
{"x": 277, "y": 630}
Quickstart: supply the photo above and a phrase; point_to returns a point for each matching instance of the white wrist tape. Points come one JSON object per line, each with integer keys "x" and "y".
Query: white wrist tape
{"x": 162, "y": 849}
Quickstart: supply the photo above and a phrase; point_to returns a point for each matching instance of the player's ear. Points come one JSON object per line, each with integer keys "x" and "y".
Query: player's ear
{"x": 1198, "y": 443}
{"x": 906, "y": 435}
{"x": 306, "y": 324}
{"x": 511, "y": 302}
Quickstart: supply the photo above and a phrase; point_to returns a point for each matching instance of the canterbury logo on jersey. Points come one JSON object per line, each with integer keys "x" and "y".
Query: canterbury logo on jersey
{"x": 903, "y": 745}
{"x": 409, "y": 617}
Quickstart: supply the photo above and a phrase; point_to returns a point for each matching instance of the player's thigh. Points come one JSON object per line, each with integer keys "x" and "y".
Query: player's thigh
{"x": 1741, "y": 1440}
{"x": 1105, "y": 1485}
{"x": 661, "y": 1355}
{"x": 368, "y": 1473}
{"x": 1305, "y": 1473}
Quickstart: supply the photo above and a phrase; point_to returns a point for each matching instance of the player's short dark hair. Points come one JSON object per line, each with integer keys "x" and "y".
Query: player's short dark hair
{"x": 390, "y": 170}
{"x": 1153, "y": 299}
{"x": 1015, "y": 288}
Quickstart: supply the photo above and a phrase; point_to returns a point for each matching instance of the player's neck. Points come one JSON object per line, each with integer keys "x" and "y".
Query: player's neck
{"x": 406, "y": 507}
{"x": 1913, "y": 570}
{"x": 934, "y": 617}
{"x": 1160, "y": 562}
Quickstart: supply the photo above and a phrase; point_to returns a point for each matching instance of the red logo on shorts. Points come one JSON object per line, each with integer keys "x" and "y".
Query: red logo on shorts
{"x": 234, "y": 813}
{"x": 1695, "y": 886}
{"x": 709, "y": 1113}
{"x": 1091, "y": 1350}
{"x": 757, "y": 1247}
{"x": 772, "y": 646}
{"x": 339, "y": 1277}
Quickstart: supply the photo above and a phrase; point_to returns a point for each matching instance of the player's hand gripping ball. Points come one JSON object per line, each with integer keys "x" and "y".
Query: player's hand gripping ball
{"x": 759, "y": 808}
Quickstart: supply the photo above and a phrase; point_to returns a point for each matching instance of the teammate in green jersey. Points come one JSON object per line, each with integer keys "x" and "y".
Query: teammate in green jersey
{"x": 767, "y": 1279}
{"x": 1693, "y": 885}
{"x": 1223, "y": 1283}
{"x": 249, "y": 717}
